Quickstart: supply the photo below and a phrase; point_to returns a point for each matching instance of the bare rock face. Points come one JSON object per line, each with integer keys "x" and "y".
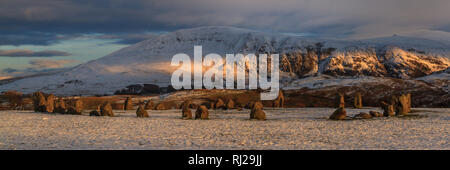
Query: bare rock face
{"x": 279, "y": 102}
{"x": 388, "y": 109}
{"x": 141, "y": 112}
{"x": 219, "y": 104}
{"x": 38, "y": 101}
{"x": 106, "y": 109}
{"x": 95, "y": 112}
{"x": 202, "y": 113}
{"x": 357, "y": 101}
{"x": 375, "y": 114}
{"x": 186, "y": 113}
{"x": 230, "y": 104}
{"x": 76, "y": 109}
{"x": 149, "y": 105}
{"x": 257, "y": 112}
{"x": 60, "y": 106}
{"x": 363, "y": 115}
{"x": 339, "y": 114}
{"x": 300, "y": 62}
{"x": 339, "y": 100}
{"x": 160, "y": 106}
{"x": 128, "y": 104}
{"x": 353, "y": 62}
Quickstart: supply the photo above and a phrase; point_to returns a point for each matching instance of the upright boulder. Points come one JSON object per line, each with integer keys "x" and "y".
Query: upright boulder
{"x": 402, "y": 104}
{"x": 230, "y": 104}
{"x": 76, "y": 109}
{"x": 357, "y": 103}
{"x": 279, "y": 102}
{"x": 60, "y": 106}
{"x": 257, "y": 112}
{"x": 128, "y": 105}
{"x": 339, "y": 100}
{"x": 106, "y": 109}
{"x": 219, "y": 104}
{"x": 202, "y": 113}
{"x": 38, "y": 101}
{"x": 186, "y": 112}
{"x": 408, "y": 96}
{"x": 149, "y": 105}
{"x": 339, "y": 114}
{"x": 388, "y": 109}
{"x": 49, "y": 103}
{"x": 95, "y": 112}
{"x": 141, "y": 112}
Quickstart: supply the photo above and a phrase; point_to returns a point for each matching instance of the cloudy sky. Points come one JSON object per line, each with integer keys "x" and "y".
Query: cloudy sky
{"x": 43, "y": 35}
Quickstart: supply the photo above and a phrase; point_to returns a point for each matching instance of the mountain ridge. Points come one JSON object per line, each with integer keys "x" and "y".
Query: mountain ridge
{"x": 147, "y": 61}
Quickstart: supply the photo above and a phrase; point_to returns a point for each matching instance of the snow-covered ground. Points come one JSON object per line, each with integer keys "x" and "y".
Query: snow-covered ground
{"x": 296, "y": 128}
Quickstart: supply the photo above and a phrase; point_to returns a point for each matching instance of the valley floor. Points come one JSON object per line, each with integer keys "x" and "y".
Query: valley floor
{"x": 299, "y": 128}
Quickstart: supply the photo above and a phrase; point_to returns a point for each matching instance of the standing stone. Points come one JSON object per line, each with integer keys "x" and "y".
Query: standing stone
{"x": 408, "y": 96}
{"x": 230, "y": 104}
{"x": 95, "y": 112}
{"x": 279, "y": 102}
{"x": 257, "y": 112}
{"x": 357, "y": 101}
{"x": 388, "y": 109}
{"x": 106, "y": 109}
{"x": 141, "y": 112}
{"x": 49, "y": 103}
{"x": 186, "y": 112}
{"x": 339, "y": 114}
{"x": 60, "y": 106}
{"x": 339, "y": 100}
{"x": 128, "y": 105}
{"x": 402, "y": 106}
{"x": 149, "y": 105}
{"x": 76, "y": 109}
{"x": 38, "y": 101}
{"x": 202, "y": 113}
{"x": 219, "y": 104}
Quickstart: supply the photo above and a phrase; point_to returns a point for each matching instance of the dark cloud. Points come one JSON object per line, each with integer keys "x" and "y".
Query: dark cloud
{"x": 126, "y": 38}
{"x": 30, "y": 53}
{"x": 33, "y": 38}
{"x": 349, "y": 18}
{"x": 9, "y": 70}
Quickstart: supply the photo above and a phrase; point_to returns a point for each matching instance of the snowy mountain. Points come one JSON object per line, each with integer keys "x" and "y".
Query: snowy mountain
{"x": 149, "y": 61}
